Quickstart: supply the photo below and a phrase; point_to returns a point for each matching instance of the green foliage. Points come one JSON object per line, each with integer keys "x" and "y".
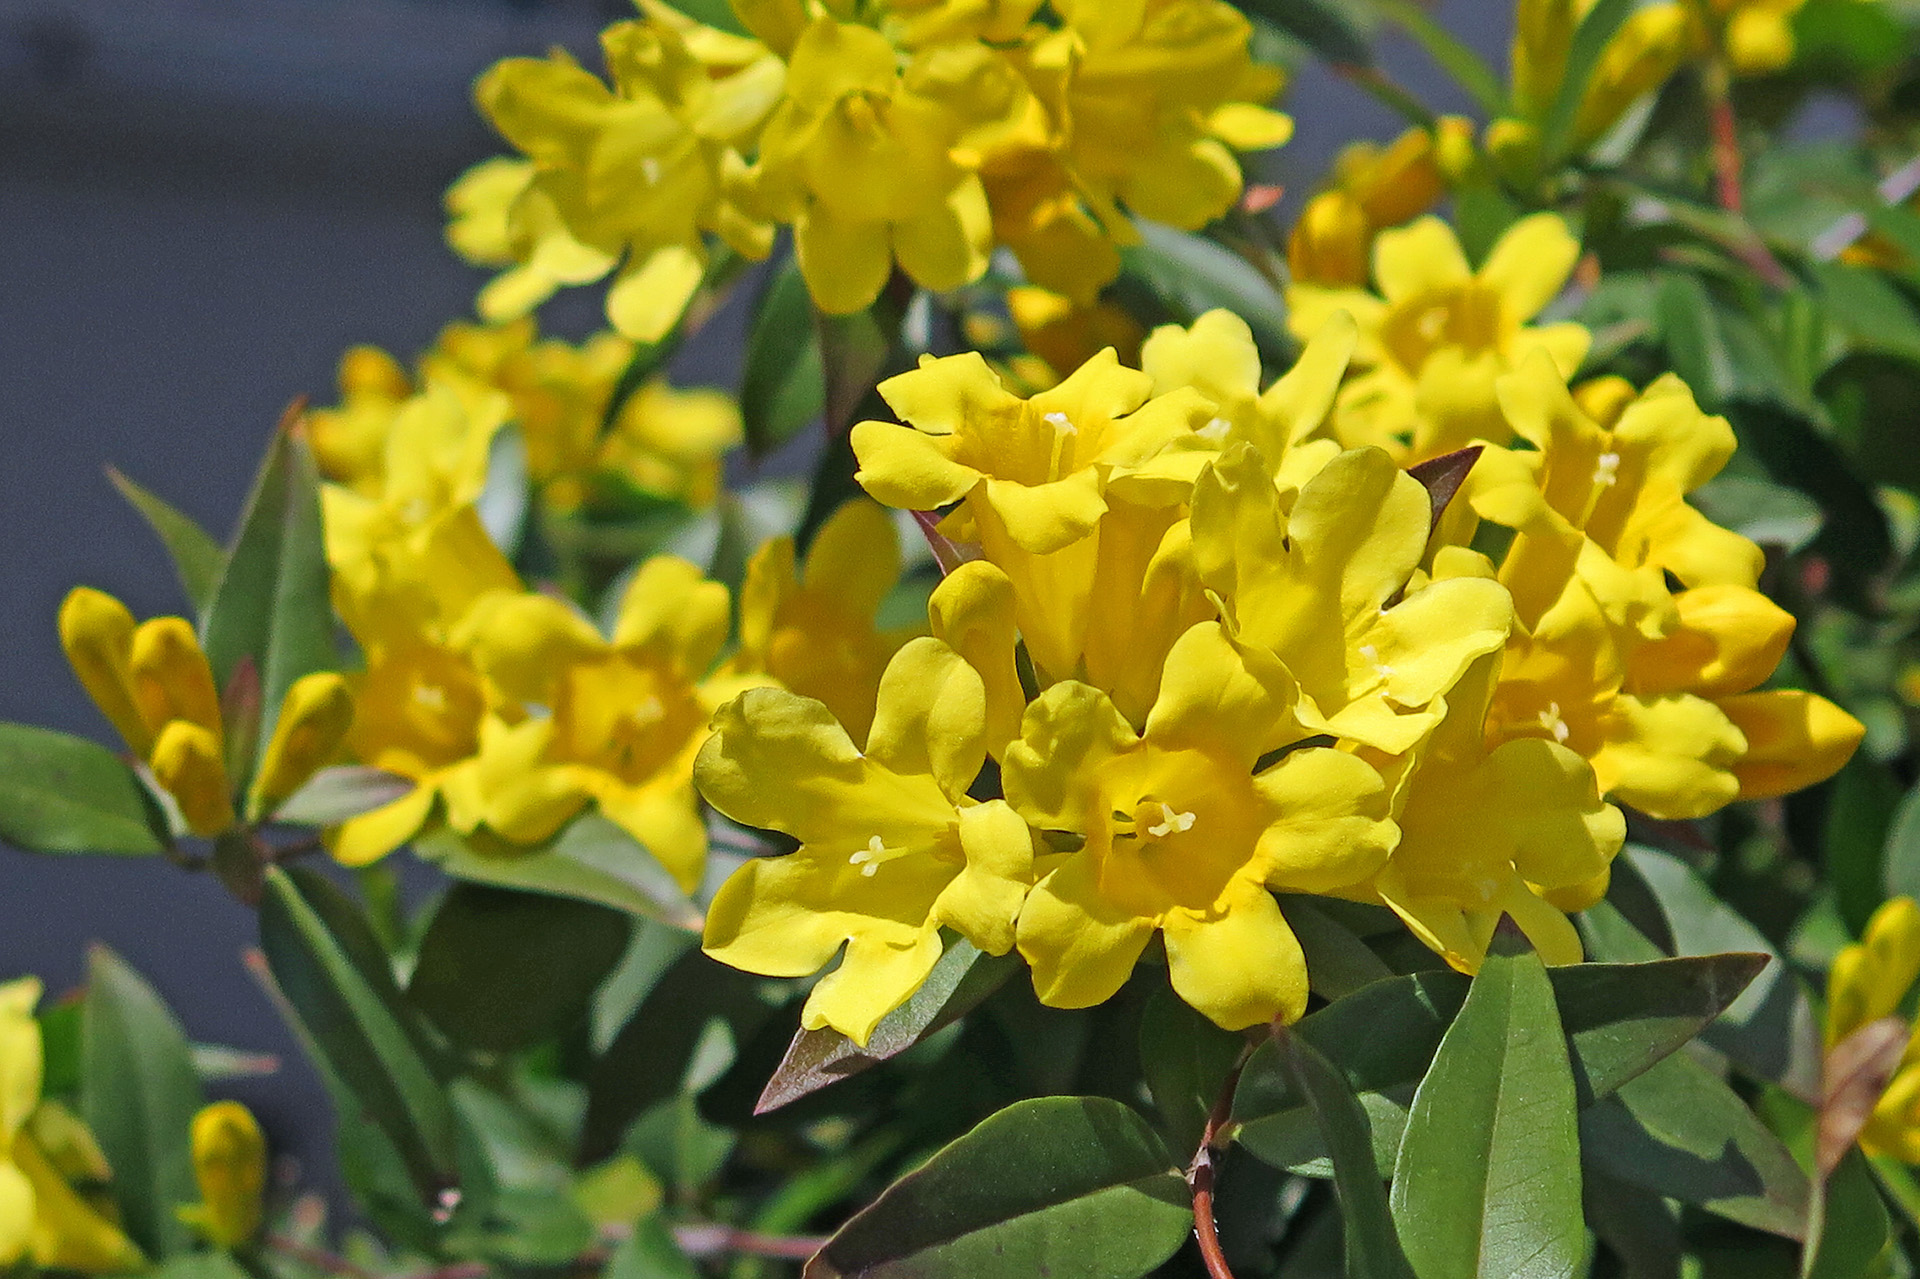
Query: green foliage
{"x": 62, "y": 794}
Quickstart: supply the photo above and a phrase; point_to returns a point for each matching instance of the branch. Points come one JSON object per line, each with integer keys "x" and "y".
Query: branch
{"x": 1200, "y": 1174}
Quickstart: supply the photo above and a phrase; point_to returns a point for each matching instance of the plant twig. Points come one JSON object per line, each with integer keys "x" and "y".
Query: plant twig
{"x": 1726, "y": 140}
{"x": 318, "y": 1258}
{"x": 708, "y": 1240}
{"x": 1200, "y": 1174}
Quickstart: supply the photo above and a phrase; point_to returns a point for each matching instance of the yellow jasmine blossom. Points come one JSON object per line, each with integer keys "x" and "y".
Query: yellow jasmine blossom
{"x": 972, "y": 611}
{"x": 42, "y": 1219}
{"x": 187, "y": 763}
{"x": 891, "y": 847}
{"x": 312, "y": 723}
{"x": 1439, "y": 336}
{"x": 1374, "y": 187}
{"x": 498, "y": 217}
{"x": 582, "y": 718}
{"x": 869, "y": 158}
{"x": 1643, "y": 53}
{"x": 814, "y": 632}
{"x": 1067, "y": 335}
{"x": 1330, "y": 590}
{"x": 669, "y": 441}
{"x": 1794, "y": 739}
{"x": 349, "y": 440}
{"x": 1035, "y": 470}
{"x": 1182, "y": 836}
{"x": 1869, "y": 981}
{"x": 1516, "y": 828}
{"x": 230, "y": 1165}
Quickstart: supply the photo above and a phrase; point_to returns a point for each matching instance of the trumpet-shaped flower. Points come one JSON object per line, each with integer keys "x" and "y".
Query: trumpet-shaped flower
{"x": 581, "y": 718}
{"x": 1183, "y": 837}
{"x": 1329, "y": 590}
{"x": 891, "y": 847}
{"x": 814, "y": 632}
{"x": 1439, "y": 336}
{"x": 42, "y": 1219}
{"x": 230, "y": 1165}
{"x": 1869, "y": 981}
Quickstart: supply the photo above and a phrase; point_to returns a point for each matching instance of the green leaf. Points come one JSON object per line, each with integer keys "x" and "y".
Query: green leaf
{"x": 1770, "y": 514}
{"x": 502, "y": 970}
{"x": 272, "y": 604}
{"x": 1186, "y": 1059}
{"x": 1852, "y": 1224}
{"x": 1860, "y": 823}
{"x": 1488, "y": 1178}
{"x": 1903, "y": 848}
{"x": 1869, "y": 308}
{"x": 197, "y": 558}
{"x": 960, "y": 980}
{"x": 64, "y": 794}
{"x": 1338, "y": 962}
{"x": 335, "y": 794}
{"x": 782, "y": 386}
{"x": 1193, "y": 275}
{"x": 328, "y": 965}
{"x": 139, "y": 1094}
{"x": 650, "y": 1253}
{"x": 591, "y": 860}
{"x": 1682, "y": 1133}
{"x": 517, "y": 1204}
{"x": 1619, "y": 1019}
{"x": 1321, "y": 25}
{"x": 1468, "y": 69}
{"x": 1071, "y": 1187}
{"x": 1715, "y": 348}
{"x": 1373, "y": 1244}
{"x": 1589, "y": 43}
{"x": 1856, "y": 539}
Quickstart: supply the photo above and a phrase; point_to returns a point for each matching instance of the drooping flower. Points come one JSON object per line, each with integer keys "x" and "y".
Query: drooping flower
{"x": 1182, "y": 836}
{"x": 891, "y": 847}
{"x": 1870, "y": 980}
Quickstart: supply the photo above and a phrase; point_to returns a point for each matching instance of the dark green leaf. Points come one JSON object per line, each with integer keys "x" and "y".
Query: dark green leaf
{"x": 200, "y": 1265}
{"x": 1856, "y": 540}
{"x": 197, "y": 558}
{"x": 650, "y": 1253}
{"x": 1589, "y": 43}
{"x": 326, "y": 962}
{"x": 1488, "y": 1178}
{"x": 1071, "y": 1187}
{"x": 1193, "y": 275}
{"x": 1860, "y": 818}
{"x": 1468, "y": 68}
{"x": 501, "y": 970}
{"x": 139, "y": 1094}
{"x": 272, "y": 604}
{"x": 959, "y": 981}
{"x": 1321, "y": 25}
{"x": 1868, "y": 308}
{"x": 1373, "y": 1244}
{"x": 1186, "y": 1059}
{"x": 1717, "y": 350}
{"x": 1770, "y": 514}
{"x": 517, "y": 1204}
{"x": 1338, "y": 962}
{"x": 335, "y": 794}
{"x": 782, "y": 386}
{"x": 680, "y": 1146}
{"x": 1681, "y": 1133}
{"x": 1852, "y": 1223}
{"x": 1903, "y": 848}
{"x": 63, "y": 794}
{"x": 592, "y": 860}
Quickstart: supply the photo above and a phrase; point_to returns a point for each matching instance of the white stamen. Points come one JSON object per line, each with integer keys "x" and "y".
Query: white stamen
{"x": 867, "y": 858}
{"x": 647, "y": 713}
{"x": 1432, "y": 323}
{"x": 1551, "y": 721}
{"x": 1215, "y": 430}
{"x": 1372, "y": 656}
{"x": 431, "y": 696}
{"x": 1171, "y": 822}
{"x": 650, "y": 170}
{"x": 1061, "y": 423}
{"x": 1606, "y": 470}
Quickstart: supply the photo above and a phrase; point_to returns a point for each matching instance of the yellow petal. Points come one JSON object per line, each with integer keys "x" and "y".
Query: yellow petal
{"x": 1233, "y": 702}
{"x": 1729, "y": 638}
{"x": 187, "y": 763}
{"x": 651, "y": 293}
{"x": 1081, "y": 947}
{"x": 16, "y": 1213}
{"x": 1066, "y": 734}
{"x": 67, "y": 1233}
{"x": 1530, "y": 263}
{"x": 230, "y": 1165}
{"x": 972, "y": 610}
{"x": 983, "y": 902}
{"x": 1328, "y": 821}
{"x": 845, "y": 263}
{"x": 1794, "y": 740}
{"x": 1671, "y": 757}
{"x": 1045, "y": 518}
{"x": 906, "y": 469}
{"x": 1246, "y": 127}
{"x": 521, "y": 642}
{"x": 670, "y": 608}
{"x": 363, "y": 840}
{"x": 875, "y": 977}
{"x": 21, "y": 1055}
{"x": 1420, "y": 258}
{"x": 171, "y": 678}
{"x": 666, "y": 819}
{"x": 96, "y": 631}
{"x": 948, "y": 245}
{"x": 1239, "y": 963}
{"x": 312, "y": 723}
{"x": 855, "y": 558}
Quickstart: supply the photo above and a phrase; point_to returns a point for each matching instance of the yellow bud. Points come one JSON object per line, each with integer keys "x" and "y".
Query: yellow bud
{"x": 1403, "y": 183}
{"x": 1604, "y": 399}
{"x": 1542, "y": 37}
{"x": 1643, "y": 54}
{"x": 367, "y": 370}
{"x": 230, "y": 1163}
{"x": 1514, "y": 146}
{"x": 186, "y": 762}
{"x": 1453, "y": 149}
{"x": 96, "y": 630}
{"x": 1759, "y": 42}
{"x": 1330, "y": 242}
{"x": 171, "y": 678}
{"x": 313, "y": 721}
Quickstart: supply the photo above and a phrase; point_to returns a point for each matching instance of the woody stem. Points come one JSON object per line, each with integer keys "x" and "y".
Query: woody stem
{"x": 1201, "y": 1173}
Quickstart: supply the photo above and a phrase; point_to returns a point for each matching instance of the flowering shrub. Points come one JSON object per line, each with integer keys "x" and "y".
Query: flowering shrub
{"x": 1250, "y": 744}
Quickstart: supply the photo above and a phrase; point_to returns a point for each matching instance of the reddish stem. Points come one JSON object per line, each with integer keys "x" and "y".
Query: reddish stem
{"x": 1726, "y": 145}
{"x": 1201, "y": 1172}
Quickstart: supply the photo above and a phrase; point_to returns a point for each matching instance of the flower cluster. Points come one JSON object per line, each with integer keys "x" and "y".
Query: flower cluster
{"x": 1200, "y": 652}
{"x": 907, "y": 134}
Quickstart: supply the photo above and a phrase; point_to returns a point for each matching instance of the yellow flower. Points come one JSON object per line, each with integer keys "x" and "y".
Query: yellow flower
{"x": 312, "y": 723}
{"x": 815, "y": 633}
{"x": 42, "y": 1219}
{"x": 891, "y": 847}
{"x": 1439, "y": 337}
{"x": 1756, "y": 35}
{"x": 669, "y": 442}
{"x": 498, "y": 217}
{"x": 1033, "y": 470}
{"x": 230, "y": 1165}
{"x": 1374, "y": 187}
{"x": 1183, "y": 837}
{"x": 1869, "y": 981}
{"x": 1329, "y": 589}
{"x": 1642, "y": 54}
{"x": 582, "y": 718}
{"x": 350, "y": 440}
{"x": 1513, "y": 829}
{"x": 867, "y": 157}
{"x": 1066, "y": 335}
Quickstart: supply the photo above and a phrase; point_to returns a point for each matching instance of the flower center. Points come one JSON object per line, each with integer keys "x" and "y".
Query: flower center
{"x": 1171, "y": 822}
{"x": 1551, "y": 721}
{"x": 868, "y": 858}
{"x": 1606, "y": 470}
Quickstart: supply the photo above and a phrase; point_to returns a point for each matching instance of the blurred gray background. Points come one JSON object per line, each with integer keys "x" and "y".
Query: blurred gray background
{"x": 202, "y": 203}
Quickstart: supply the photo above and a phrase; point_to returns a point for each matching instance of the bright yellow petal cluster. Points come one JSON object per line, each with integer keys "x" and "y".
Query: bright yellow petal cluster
{"x": 43, "y": 1219}
{"x": 1870, "y": 980}
{"x": 1439, "y": 335}
{"x": 1373, "y": 188}
{"x": 913, "y": 135}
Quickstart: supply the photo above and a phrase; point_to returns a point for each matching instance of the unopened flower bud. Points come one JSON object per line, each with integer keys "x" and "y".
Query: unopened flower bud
{"x": 171, "y": 678}
{"x": 186, "y": 762}
{"x": 96, "y": 630}
{"x": 313, "y": 721}
{"x": 230, "y": 1163}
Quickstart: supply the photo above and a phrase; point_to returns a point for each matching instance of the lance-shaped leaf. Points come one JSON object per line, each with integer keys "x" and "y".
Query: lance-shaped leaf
{"x": 960, "y": 980}
{"x": 272, "y": 604}
{"x": 517, "y": 1204}
{"x": 139, "y": 1093}
{"x": 1488, "y": 1178}
{"x": 1193, "y": 275}
{"x": 333, "y": 795}
{"x": 591, "y": 860}
{"x": 1619, "y": 1020}
{"x": 1071, "y": 1187}
{"x": 326, "y": 961}
{"x": 782, "y": 386}
{"x": 1590, "y": 40}
{"x": 1186, "y": 1059}
{"x": 1442, "y": 476}
{"x": 197, "y": 558}
{"x": 1851, "y": 1226}
{"x": 1373, "y": 1245}
{"x": 1321, "y": 25}
{"x": 1468, "y": 69}
{"x": 64, "y": 794}
{"x": 1684, "y": 1134}
{"x": 502, "y": 970}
